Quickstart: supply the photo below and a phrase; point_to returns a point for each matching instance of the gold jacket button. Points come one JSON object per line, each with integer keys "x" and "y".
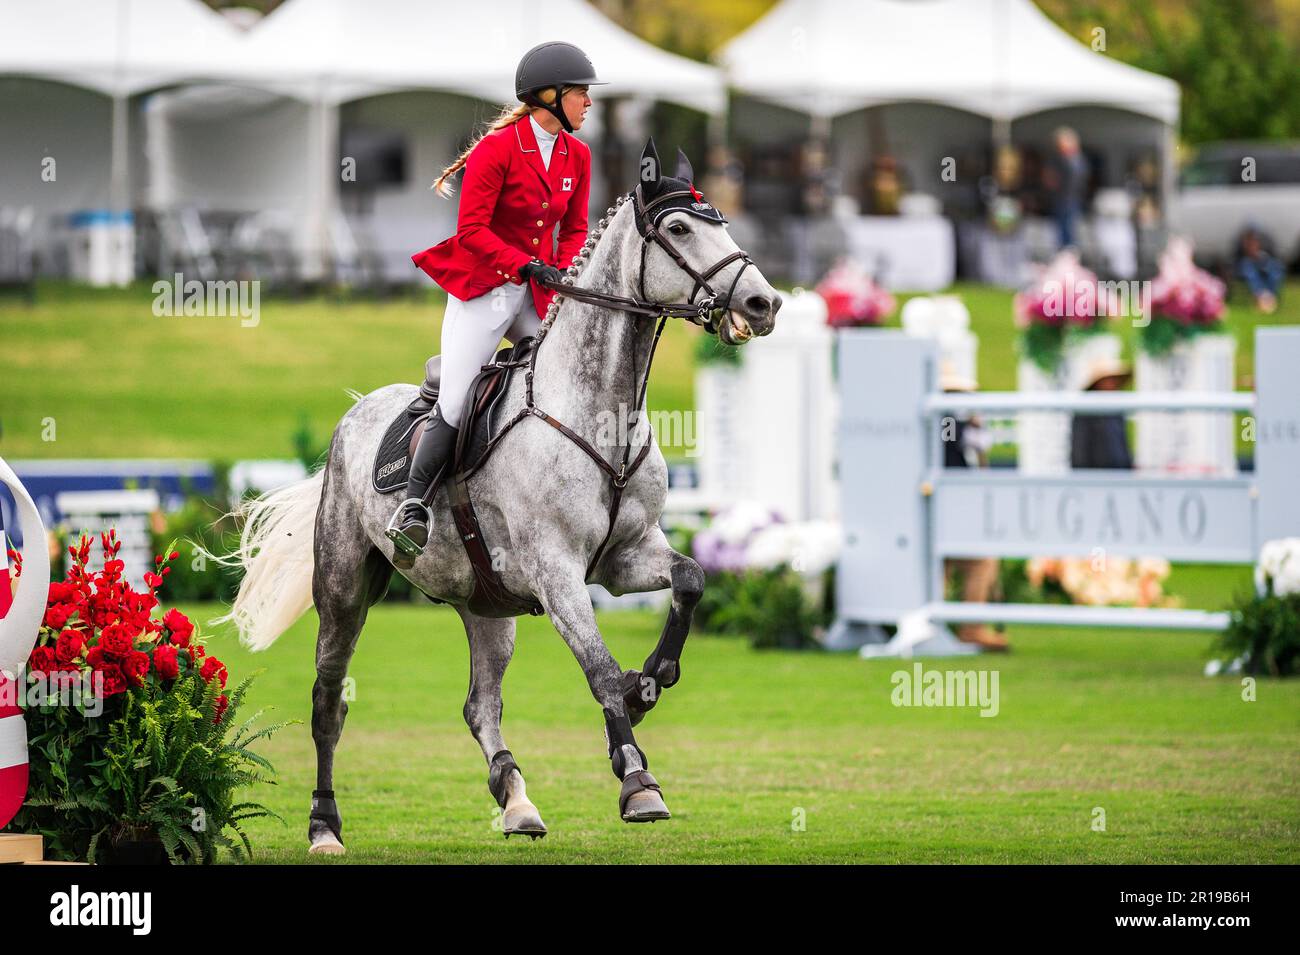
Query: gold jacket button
{"x": 540, "y": 222}
{"x": 546, "y": 205}
{"x": 535, "y": 241}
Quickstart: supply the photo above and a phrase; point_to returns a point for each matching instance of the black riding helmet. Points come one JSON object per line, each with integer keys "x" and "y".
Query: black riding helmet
{"x": 553, "y": 65}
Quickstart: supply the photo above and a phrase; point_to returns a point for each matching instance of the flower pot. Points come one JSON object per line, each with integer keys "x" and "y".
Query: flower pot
{"x": 1195, "y": 443}
{"x": 1043, "y": 437}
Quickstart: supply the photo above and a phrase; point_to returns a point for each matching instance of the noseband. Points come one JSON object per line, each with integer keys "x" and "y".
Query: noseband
{"x": 692, "y": 311}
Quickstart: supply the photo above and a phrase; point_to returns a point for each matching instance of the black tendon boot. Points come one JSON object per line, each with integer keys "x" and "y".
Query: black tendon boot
{"x": 409, "y": 528}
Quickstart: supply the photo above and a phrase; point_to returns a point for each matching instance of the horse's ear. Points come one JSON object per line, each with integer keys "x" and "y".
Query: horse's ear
{"x": 684, "y": 170}
{"x": 650, "y": 172}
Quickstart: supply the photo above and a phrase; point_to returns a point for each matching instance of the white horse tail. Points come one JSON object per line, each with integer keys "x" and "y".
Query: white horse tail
{"x": 276, "y": 550}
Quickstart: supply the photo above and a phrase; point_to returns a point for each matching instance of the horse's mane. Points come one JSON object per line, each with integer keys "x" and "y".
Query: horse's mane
{"x": 583, "y": 258}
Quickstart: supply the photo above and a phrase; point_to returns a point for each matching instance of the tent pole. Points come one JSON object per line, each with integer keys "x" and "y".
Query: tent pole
{"x": 118, "y": 187}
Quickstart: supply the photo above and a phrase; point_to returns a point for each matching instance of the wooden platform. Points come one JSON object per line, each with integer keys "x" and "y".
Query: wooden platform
{"x": 21, "y": 849}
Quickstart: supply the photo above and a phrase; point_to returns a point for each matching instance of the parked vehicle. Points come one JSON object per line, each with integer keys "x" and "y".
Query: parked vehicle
{"x": 1229, "y": 185}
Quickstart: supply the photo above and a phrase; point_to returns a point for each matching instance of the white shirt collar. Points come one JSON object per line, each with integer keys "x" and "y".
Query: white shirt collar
{"x": 539, "y": 133}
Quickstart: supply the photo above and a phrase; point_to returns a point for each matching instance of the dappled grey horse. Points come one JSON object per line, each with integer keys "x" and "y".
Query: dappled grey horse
{"x": 542, "y": 501}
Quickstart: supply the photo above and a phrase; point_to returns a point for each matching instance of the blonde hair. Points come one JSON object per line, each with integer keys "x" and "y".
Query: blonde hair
{"x": 508, "y": 116}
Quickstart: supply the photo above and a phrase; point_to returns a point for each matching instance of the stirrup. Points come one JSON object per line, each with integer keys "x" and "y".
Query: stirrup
{"x": 401, "y": 543}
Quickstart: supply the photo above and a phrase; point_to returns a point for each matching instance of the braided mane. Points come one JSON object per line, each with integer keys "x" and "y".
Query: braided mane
{"x": 581, "y": 260}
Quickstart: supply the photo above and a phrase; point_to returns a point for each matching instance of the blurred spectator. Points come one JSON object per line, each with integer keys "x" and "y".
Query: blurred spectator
{"x": 885, "y": 186}
{"x": 965, "y": 444}
{"x": 1259, "y": 268}
{"x": 724, "y": 181}
{"x": 1066, "y": 180}
{"x": 1101, "y": 441}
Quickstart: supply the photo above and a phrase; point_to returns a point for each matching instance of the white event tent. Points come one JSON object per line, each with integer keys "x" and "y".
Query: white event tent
{"x": 248, "y": 121}
{"x": 68, "y": 72}
{"x": 999, "y": 62}
{"x": 926, "y": 80}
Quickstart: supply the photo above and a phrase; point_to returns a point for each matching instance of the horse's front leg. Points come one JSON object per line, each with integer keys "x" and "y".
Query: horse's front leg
{"x": 651, "y": 564}
{"x": 563, "y": 593}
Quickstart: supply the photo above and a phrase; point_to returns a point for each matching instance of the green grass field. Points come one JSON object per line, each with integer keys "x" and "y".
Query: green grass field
{"x": 1184, "y": 769}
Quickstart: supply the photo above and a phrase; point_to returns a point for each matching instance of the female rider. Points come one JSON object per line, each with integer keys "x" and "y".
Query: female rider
{"x": 524, "y": 175}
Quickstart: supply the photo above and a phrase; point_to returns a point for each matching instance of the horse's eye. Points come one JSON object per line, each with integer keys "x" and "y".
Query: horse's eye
{"x": 678, "y": 229}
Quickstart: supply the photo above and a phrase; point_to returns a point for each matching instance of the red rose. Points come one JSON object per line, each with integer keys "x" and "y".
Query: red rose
{"x": 220, "y": 704}
{"x": 113, "y": 680}
{"x": 165, "y": 662}
{"x": 43, "y": 660}
{"x": 181, "y": 627}
{"x": 61, "y": 592}
{"x": 116, "y": 641}
{"x": 69, "y": 646}
{"x": 95, "y": 658}
{"x": 57, "y": 616}
{"x": 135, "y": 667}
{"x": 212, "y": 667}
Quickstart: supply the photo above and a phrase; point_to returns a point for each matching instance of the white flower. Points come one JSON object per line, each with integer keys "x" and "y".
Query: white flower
{"x": 1279, "y": 561}
{"x": 736, "y": 523}
{"x": 809, "y": 548}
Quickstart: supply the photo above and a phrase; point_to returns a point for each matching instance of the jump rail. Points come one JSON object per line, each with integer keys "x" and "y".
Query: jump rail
{"x": 904, "y": 513}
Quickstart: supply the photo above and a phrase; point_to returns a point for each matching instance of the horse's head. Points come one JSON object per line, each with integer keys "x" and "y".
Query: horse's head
{"x": 675, "y": 220}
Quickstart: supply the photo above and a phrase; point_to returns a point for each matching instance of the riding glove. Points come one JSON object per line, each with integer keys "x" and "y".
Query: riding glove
{"x": 537, "y": 269}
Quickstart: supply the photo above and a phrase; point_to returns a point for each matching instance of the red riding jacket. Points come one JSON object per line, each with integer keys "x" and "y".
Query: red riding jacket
{"x": 509, "y": 205}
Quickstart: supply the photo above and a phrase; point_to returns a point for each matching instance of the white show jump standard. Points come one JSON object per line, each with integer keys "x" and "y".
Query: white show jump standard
{"x": 904, "y": 512}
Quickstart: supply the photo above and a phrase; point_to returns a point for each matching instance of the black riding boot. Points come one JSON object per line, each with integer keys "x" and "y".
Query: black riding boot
{"x": 409, "y": 528}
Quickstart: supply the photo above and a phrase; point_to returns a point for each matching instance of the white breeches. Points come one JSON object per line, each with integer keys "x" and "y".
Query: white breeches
{"x": 471, "y": 332}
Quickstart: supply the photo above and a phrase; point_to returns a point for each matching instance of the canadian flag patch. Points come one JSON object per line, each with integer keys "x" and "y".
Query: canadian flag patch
{"x": 566, "y": 184}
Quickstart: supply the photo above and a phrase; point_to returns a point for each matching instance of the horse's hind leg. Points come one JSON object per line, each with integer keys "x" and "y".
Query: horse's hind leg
{"x": 350, "y": 575}
{"x": 491, "y": 645}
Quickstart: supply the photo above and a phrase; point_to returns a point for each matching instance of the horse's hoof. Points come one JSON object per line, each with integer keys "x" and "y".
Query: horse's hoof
{"x": 642, "y": 800}
{"x": 522, "y": 817}
{"x": 327, "y": 845}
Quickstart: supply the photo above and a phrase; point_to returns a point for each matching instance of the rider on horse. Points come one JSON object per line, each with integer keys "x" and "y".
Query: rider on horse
{"x": 522, "y": 177}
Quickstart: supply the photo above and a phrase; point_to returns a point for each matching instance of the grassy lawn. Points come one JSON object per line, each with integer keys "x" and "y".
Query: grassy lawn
{"x": 1184, "y": 770}
{"x": 121, "y": 382}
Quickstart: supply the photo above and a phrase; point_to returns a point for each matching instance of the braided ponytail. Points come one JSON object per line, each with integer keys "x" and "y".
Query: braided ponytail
{"x": 507, "y": 116}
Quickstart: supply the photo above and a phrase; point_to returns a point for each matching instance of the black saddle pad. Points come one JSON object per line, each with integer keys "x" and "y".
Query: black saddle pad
{"x": 393, "y": 462}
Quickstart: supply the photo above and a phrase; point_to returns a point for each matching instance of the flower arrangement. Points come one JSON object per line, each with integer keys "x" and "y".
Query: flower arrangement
{"x": 131, "y": 729}
{"x": 1185, "y": 301}
{"x": 1264, "y": 629}
{"x": 853, "y": 298}
{"x": 767, "y": 577}
{"x": 1065, "y": 300}
{"x": 1112, "y": 582}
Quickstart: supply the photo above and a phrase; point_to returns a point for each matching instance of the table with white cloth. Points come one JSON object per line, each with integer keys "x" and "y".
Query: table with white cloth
{"x": 910, "y": 253}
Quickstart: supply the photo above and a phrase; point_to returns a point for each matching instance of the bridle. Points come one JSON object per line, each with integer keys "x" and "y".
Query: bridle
{"x": 696, "y": 312}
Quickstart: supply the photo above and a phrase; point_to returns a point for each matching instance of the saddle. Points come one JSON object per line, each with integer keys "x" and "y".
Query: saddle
{"x": 477, "y": 438}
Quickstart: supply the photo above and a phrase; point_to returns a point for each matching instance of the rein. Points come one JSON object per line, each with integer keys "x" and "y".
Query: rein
{"x": 690, "y": 310}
